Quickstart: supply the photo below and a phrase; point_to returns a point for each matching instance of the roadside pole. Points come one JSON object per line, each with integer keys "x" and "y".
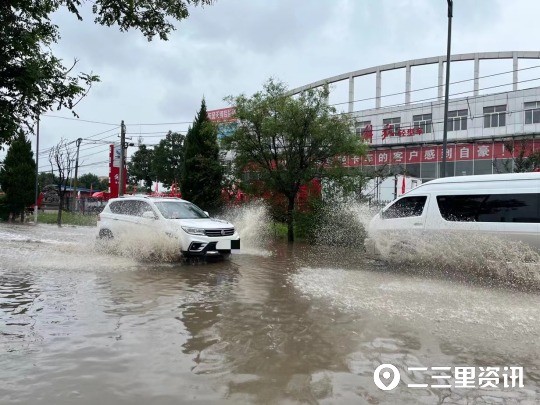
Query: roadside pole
{"x": 74, "y": 205}
{"x": 37, "y": 174}
{"x": 121, "y": 171}
{"x": 447, "y": 87}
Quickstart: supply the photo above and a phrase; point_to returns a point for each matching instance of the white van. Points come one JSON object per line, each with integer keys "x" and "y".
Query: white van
{"x": 502, "y": 205}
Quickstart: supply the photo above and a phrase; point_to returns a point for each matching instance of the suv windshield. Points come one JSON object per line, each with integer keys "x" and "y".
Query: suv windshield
{"x": 180, "y": 210}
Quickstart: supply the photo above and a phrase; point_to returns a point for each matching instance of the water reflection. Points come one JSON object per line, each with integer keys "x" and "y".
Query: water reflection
{"x": 17, "y": 297}
{"x": 295, "y": 325}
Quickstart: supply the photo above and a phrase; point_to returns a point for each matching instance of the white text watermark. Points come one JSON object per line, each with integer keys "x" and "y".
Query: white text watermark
{"x": 387, "y": 377}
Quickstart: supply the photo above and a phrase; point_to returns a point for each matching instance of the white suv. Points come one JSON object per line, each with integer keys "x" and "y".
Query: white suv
{"x": 196, "y": 232}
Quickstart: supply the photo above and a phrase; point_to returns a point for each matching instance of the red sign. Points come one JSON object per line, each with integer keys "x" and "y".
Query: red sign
{"x": 222, "y": 115}
{"x": 389, "y": 131}
{"x": 367, "y": 133}
{"x": 114, "y": 175}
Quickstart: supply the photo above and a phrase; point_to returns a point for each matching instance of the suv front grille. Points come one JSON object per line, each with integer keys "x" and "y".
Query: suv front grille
{"x": 219, "y": 232}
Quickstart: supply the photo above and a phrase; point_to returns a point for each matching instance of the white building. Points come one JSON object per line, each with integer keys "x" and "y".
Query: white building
{"x": 485, "y": 131}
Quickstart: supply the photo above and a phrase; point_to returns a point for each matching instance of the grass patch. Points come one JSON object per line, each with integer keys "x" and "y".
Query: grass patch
{"x": 278, "y": 230}
{"x": 68, "y": 218}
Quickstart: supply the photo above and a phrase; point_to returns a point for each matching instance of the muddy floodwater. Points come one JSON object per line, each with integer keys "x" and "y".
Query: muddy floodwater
{"x": 273, "y": 324}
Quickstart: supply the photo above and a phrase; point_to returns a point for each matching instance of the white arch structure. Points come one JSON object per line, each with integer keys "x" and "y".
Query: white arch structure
{"x": 408, "y": 65}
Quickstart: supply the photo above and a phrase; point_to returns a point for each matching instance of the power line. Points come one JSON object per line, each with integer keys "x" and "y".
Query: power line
{"x": 46, "y": 150}
{"x": 160, "y": 123}
{"x": 78, "y": 119}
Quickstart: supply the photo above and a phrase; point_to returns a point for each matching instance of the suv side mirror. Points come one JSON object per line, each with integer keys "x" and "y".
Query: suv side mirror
{"x": 207, "y": 214}
{"x": 148, "y": 215}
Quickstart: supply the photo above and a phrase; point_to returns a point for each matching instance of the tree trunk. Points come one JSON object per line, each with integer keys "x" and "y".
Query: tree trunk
{"x": 290, "y": 220}
{"x": 60, "y": 207}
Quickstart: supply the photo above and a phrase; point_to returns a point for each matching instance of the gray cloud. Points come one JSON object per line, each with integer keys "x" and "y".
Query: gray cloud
{"x": 234, "y": 46}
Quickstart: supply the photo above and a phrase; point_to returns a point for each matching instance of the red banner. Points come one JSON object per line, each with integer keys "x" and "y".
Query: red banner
{"x": 413, "y": 154}
{"x": 433, "y": 153}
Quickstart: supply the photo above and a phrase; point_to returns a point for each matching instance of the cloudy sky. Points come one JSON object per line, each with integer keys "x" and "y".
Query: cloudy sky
{"x": 234, "y": 46}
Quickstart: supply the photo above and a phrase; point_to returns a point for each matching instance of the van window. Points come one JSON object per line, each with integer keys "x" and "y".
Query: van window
{"x": 462, "y": 208}
{"x": 405, "y": 207}
{"x": 491, "y": 208}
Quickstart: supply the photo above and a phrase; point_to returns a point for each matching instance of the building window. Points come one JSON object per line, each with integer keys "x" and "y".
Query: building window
{"x": 422, "y": 121}
{"x": 532, "y": 112}
{"x": 457, "y": 120}
{"x": 360, "y": 127}
{"x": 495, "y": 116}
{"x": 392, "y": 124}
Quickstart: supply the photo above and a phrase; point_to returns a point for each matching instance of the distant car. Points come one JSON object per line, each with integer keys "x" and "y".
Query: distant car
{"x": 93, "y": 205}
{"x": 197, "y": 234}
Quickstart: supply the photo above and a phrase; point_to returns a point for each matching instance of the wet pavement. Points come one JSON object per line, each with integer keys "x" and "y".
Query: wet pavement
{"x": 275, "y": 324}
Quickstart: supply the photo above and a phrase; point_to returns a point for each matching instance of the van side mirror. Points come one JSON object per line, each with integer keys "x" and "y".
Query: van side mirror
{"x": 149, "y": 215}
{"x": 207, "y": 214}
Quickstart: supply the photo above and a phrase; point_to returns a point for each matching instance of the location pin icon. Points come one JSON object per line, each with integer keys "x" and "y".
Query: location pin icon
{"x": 390, "y": 377}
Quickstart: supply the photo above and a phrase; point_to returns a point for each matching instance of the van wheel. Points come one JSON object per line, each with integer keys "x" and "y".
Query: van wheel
{"x": 105, "y": 234}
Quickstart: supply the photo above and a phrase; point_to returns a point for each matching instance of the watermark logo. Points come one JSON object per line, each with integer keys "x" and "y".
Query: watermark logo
{"x": 386, "y": 377}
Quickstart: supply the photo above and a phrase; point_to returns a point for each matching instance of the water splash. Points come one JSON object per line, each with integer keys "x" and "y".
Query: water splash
{"x": 142, "y": 246}
{"x": 343, "y": 223}
{"x": 252, "y": 221}
{"x": 475, "y": 255}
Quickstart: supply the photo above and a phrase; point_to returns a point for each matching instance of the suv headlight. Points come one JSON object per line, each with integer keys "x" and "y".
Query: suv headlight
{"x": 194, "y": 231}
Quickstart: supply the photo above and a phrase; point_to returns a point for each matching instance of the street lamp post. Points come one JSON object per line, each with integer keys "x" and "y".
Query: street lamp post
{"x": 445, "y": 124}
{"x": 36, "y": 194}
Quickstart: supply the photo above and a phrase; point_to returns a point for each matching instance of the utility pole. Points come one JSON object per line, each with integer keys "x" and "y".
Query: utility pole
{"x": 78, "y": 142}
{"x": 122, "y": 157}
{"x": 445, "y": 127}
{"x": 37, "y": 174}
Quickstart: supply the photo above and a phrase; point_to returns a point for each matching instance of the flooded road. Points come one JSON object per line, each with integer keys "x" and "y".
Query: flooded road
{"x": 271, "y": 325}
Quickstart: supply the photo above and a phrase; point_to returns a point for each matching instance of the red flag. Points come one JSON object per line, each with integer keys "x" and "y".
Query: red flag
{"x": 403, "y": 186}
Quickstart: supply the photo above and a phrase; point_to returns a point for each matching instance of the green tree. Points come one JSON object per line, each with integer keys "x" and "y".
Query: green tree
{"x": 525, "y": 160}
{"x": 287, "y": 141}
{"x": 46, "y": 179}
{"x": 202, "y": 173}
{"x": 88, "y": 180}
{"x": 104, "y": 185}
{"x": 33, "y": 80}
{"x": 140, "y": 166}
{"x": 17, "y": 176}
{"x": 168, "y": 156}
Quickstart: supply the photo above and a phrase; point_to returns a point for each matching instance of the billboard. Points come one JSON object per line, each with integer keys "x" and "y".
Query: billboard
{"x": 224, "y": 120}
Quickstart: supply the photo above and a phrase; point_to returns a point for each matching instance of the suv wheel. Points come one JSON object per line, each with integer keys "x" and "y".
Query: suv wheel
{"x": 105, "y": 234}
